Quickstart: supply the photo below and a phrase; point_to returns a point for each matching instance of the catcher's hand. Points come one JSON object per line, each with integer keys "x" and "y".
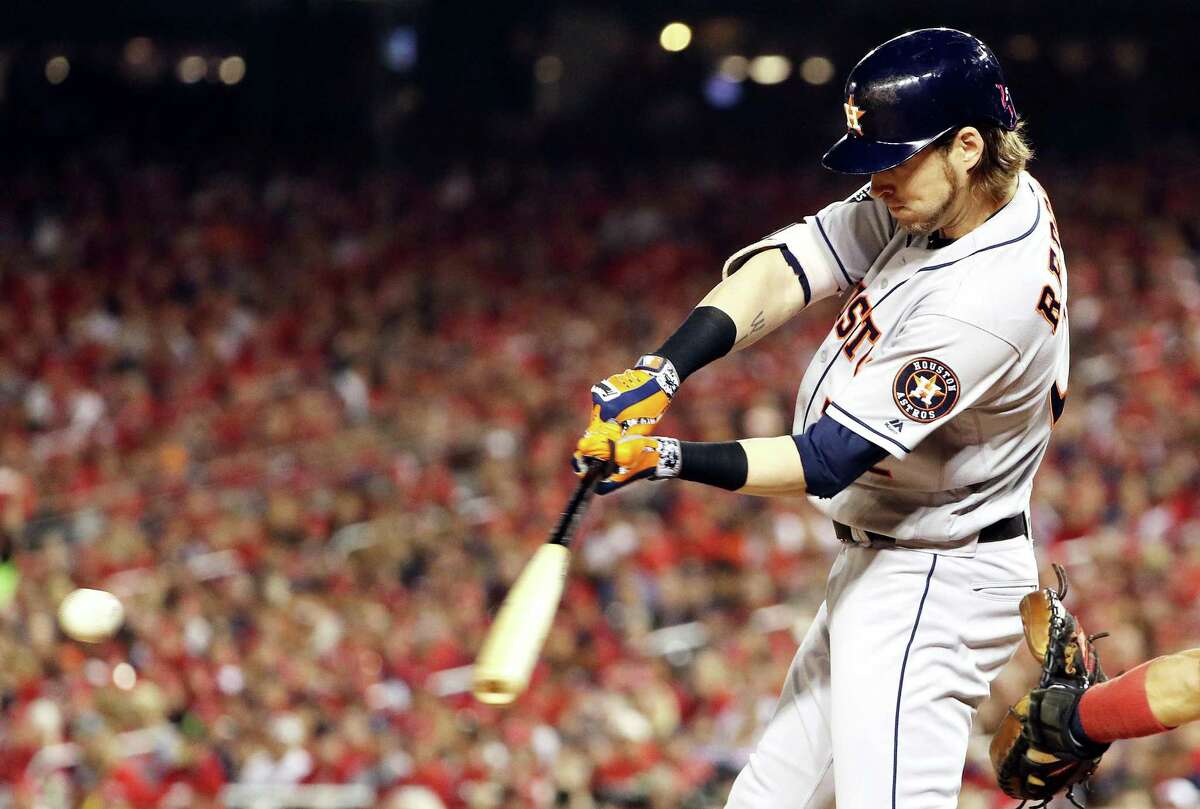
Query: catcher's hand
{"x": 1034, "y": 752}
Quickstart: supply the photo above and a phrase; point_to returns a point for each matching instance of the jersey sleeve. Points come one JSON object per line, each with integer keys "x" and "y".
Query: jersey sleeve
{"x": 831, "y": 250}
{"x": 936, "y": 369}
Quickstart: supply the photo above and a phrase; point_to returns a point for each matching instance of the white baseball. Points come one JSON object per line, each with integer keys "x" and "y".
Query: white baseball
{"x": 90, "y": 616}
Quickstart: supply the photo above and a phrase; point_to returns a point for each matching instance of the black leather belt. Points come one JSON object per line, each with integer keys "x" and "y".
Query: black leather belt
{"x": 1007, "y": 528}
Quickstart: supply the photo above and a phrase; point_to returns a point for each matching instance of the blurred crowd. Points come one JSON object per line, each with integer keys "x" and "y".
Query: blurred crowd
{"x": 309, "y": 427}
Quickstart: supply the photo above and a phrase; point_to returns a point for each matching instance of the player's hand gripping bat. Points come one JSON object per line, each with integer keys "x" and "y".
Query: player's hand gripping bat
{"x": 515, "y": 639}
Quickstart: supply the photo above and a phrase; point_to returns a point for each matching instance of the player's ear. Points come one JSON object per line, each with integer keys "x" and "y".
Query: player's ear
{"x": 967, "y": 149}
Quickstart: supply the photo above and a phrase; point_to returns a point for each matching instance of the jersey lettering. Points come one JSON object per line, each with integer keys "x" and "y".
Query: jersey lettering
{"x": 868, "y": 332}
{"x": 1049, "y": 307}
{"x": 857, "y": 314}
{"x": 1050, "y": 215}
{"x": 851, "y": 314}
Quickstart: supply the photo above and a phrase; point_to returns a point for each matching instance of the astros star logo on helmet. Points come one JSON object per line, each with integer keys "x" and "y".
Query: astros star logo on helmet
{"x": 853, "y": 114}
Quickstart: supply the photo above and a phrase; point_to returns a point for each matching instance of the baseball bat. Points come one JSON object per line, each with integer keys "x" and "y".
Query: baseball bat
{"x": 515, "y": 638}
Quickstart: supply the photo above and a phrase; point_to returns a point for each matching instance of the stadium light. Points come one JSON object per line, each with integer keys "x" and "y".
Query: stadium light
{"x": 57, "y": 69}
{"x": 232, "y": 69}
{"x": 771, "y": 68}
{"x": 400, "y": 49}
{"x": 141, "y": 60}
{"x": 734, "y": 68}
{"x": 191, "y": 69}
{"x": 816, "y": 70}
{"x": 675, "y": 36}
{"x": 722, "y": 93}
{"x": 1129, "y": 58}
{"x": 1074, "y": 56}
{"x": 548, "y": 69}
{"x": 139, "y": 51}
{"x": 1022, "y": 48}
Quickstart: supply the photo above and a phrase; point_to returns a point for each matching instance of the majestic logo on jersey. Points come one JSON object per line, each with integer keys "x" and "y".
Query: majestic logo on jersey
{"x": 925, "y": 389}
{"x": 853, "y": 113}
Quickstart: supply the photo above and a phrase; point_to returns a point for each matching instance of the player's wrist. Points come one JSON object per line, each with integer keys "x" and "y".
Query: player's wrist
{"x": 706, "y": 335}
{"x": 670, "y": 458}
{"x": 663, "y": 370}
{"x": 722, "y": 464}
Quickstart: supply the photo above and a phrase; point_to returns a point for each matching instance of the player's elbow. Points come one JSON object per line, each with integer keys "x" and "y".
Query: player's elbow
{"x": 833, "y": 457}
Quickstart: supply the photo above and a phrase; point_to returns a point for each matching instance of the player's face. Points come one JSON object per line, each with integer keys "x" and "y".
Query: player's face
{"x": 921, "y": 193}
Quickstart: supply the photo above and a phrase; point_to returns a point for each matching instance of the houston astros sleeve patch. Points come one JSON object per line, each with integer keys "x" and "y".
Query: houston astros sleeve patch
{"x": 925, "y": 389}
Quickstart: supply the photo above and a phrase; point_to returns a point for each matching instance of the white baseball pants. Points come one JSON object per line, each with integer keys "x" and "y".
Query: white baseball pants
{"x": 879, "y": 700}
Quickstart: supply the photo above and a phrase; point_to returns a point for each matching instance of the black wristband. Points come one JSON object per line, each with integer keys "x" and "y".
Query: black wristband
{"x": 721, "y": 464}
{"x": 707, "y": 334}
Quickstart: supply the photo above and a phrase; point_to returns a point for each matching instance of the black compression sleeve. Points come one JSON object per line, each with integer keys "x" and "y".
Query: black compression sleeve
{"x": 720, "y": 464}
{"x": 707, "y": 334}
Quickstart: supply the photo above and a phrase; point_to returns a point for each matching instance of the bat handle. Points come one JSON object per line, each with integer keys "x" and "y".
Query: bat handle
{"x": 564, "y": 531}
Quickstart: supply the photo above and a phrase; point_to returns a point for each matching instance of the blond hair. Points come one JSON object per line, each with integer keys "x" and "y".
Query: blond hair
{"x": 1005, "y": 155}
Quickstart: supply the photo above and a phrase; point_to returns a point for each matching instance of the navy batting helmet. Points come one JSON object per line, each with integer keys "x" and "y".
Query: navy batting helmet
{"x": 913, "y": 89}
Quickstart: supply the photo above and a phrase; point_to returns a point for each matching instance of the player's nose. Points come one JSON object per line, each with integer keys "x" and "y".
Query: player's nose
{"x": 882, "y": 185}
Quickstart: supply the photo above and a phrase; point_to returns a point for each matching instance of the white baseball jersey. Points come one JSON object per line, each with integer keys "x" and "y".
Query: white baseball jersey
{"x": 951, "y": 358}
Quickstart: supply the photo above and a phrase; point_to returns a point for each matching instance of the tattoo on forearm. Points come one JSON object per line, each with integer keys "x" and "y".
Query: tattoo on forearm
{"x": 758, "y": 324}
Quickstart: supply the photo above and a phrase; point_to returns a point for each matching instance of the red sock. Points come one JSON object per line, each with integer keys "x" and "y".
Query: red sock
{"x": 1119, "y": 708}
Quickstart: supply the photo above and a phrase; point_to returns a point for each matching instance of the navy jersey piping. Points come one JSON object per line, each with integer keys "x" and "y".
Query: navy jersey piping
{"x": 859, "y": 421}
{"x": 1036, "y": 220}
{"x": 794, "y": 263}
{"x": 900, "y": 687}
{"x": 836, "y": 257}
{"x": 789, "y": 257}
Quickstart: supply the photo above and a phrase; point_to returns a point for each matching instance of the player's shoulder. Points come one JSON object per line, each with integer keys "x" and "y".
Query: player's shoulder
{"x": 996, "y": 278}
{"x": 844, "y": 237}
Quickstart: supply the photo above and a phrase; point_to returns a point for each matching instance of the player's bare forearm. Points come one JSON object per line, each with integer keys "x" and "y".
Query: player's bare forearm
{"x": 773, "y": 467}
{"x": 759, "y": 297}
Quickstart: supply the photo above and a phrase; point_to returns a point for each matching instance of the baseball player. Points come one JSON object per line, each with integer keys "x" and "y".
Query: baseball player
{"x": 919, "y": 423}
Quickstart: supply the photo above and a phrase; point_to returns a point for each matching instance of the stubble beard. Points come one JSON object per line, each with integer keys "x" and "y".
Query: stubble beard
{"x": 939, "y": 218}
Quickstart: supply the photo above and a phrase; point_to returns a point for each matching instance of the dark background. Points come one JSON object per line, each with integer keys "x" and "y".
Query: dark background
{"x": 317, "y": 84}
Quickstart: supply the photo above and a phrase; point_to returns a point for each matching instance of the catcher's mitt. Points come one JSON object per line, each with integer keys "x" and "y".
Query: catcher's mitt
{"x": 1033, "y": 751}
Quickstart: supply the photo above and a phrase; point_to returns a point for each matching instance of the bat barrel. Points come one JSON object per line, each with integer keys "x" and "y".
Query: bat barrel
{"x": 515, "y": 638}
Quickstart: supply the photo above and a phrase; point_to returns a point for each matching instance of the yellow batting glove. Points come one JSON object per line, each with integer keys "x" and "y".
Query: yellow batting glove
{"x": 595, "y": 443}
{"x": 637, "y": 398}
{"x": 639, "y": 457}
